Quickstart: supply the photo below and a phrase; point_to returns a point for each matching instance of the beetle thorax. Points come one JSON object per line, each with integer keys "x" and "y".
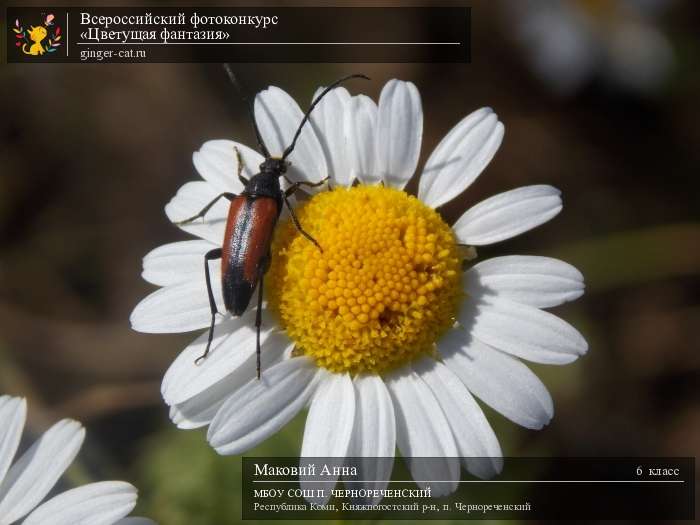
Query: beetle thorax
{"x": 264, "y": 185}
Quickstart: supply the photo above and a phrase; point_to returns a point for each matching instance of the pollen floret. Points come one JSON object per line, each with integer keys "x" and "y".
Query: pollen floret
{"x": 383, "y": 290}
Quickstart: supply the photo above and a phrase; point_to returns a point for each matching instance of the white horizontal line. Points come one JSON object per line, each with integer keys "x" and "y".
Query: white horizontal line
{"x": 484, "y": 481}
{"x": 269, "y": 43}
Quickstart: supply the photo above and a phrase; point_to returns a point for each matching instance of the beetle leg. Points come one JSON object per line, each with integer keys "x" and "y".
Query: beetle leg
{"x": 241, "y": 164}
{"x": 209, "y": 256}
{"x": 294, "y": 186}
{"x": 258, "y": 314}
{"x": 203, "y": 211}
{"x": 296, "y": 222}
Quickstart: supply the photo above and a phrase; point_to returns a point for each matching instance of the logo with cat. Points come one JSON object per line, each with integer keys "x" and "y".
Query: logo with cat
{"x": 40, "y": 39}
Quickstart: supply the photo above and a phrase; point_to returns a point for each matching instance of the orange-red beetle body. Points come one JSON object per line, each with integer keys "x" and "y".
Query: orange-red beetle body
{"x": 245, "y": 251}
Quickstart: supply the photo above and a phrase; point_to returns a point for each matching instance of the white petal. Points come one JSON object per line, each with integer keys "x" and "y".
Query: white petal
{"x": 217, "y": 163}
{"x": 328, "y": 430}
{"x": 423, "y": 434}
{"x": 537, "y": 281}
{"x": 190, "y": 199}
{"x": 178, "y": 262}
{"x": 327, "y": 120}
{"x": 361, "y": 130}
{"x": 523, "y": 331}
{"x": 37, "y": 471}
{"x": 200, "y": 409}
{"x": 230, "y": 364}
{"x": 508, "y": 214}
{"x": 374, "y": 431}
{"x": 399, "y": 132}
{"x": 460, "y": 157}
{"x": 476, "y": 442}
{"x": 373, "y": 440}
{"x": 499, "y": 380}
{"x": 330, "y": 420}
{"x": 278, "y": 117}
{"x": 178, "y": 308}
{"x": 94, "y": 504}
{"x": 13, "y": 414}
{"x": 262, "y": 407}
{"x": 233, "y": 343}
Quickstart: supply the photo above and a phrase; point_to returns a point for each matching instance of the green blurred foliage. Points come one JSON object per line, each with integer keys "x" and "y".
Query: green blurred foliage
{"x": 185, "y": 482}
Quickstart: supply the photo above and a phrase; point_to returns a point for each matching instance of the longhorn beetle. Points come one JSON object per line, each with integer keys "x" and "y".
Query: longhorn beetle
{"x": 252, "y": 216}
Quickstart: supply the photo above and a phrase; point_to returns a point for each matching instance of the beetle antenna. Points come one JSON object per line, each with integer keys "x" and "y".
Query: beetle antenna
{"x": 234, "y": 80}
{"x": 323, "y": 93}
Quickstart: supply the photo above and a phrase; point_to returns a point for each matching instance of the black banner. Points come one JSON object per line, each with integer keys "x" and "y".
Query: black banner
{"x": 238, "y": 34}
{"x": 527, "y": 488}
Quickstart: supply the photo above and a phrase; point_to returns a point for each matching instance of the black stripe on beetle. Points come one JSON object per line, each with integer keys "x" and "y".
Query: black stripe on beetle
{"x": 252, "y": 217}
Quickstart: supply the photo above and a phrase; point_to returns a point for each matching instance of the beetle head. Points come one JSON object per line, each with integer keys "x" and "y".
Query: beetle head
{"x": 274, "y": 166}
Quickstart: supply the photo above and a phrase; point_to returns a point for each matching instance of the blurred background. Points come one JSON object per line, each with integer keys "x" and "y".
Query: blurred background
{"x": 599, "y": 98}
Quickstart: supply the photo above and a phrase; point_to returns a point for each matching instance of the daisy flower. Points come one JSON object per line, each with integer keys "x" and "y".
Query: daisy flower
{"x": 569, "y": 43}
{"x": 25, "y": 484}
{"x": 382, "y": 335}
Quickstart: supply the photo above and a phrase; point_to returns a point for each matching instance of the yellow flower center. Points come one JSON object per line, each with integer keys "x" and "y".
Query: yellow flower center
{"x": 385, "y": 287}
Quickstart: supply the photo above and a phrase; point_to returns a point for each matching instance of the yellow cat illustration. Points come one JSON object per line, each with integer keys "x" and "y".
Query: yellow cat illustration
{"x": 36, "y": 35}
